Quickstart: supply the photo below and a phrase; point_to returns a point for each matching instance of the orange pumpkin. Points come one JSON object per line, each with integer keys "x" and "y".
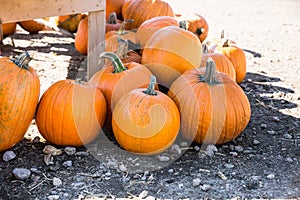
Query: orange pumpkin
{"x": 70, "y": 22}
{"x": 114, "y": 6}
{"x": 112, "y": 23}
{"x": 32, "y": 26}
{"x": 141, "y": 10}
{"x": 223, "y": 64}
{"x": 19, "y": 95}
{"x": 150, "y": 26}
{"x": 171, "y": 51}
{"x": 71, "y": 113}
{"x": 118, "y": 79}
{"x": 145, "y": 121}
{"x": 81, "y": 38}
{"x": 9, "y": 28}
{"x": 213, "y": 107}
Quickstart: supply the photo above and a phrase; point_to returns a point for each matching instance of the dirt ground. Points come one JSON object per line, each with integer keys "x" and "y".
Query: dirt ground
{"x": 263, "y": 162}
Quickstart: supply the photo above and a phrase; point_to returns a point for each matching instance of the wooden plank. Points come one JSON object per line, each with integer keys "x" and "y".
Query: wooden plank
{"x": 96, "y": 41}
{"x": 19, "y": 10}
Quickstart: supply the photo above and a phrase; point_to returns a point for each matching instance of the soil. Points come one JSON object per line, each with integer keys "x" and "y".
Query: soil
{"x": 262, "y": 162}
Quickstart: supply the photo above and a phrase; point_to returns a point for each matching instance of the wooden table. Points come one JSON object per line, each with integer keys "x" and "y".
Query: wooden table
{"x": 20, "y": 10}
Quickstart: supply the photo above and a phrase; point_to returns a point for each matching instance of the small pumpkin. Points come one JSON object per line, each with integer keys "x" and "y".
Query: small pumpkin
{"x": 70, "y": 22}
{"x": 71, "y": 113}
{"x": 170, "y": 52}
{"x": 141, "y": 10}
{"x": 81, "y": 38}
{"x": 118, "y": 79}
{"x": 32, "y": 26}
{"x": 150, "y": 26}
{"x": 9, "y": 28}
{"x": 19, "y": 95}
{"x": 213, "y": 107}
{"x": 112, "y": 23}
{"x": 145, "y": 121}
{"x": 114, "y": 6}
{"x": 223, "y": 64}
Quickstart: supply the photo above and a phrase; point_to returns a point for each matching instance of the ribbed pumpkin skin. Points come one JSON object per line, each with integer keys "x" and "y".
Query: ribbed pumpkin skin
{"x": 71, "y": 114}
{"x": 9, "y": 28}
{"x": 145, "y": 124}
{"x": 150, "y": 26}
{"x": 141, "y": 10}
{"x": 19, "y": 95}
{"x": 171, "y": 51}
{"x": 32, "y": 26}
{"x": 81, "y": 38}
{"x": 223, "y": 64}
{"x": 210, "y": 114}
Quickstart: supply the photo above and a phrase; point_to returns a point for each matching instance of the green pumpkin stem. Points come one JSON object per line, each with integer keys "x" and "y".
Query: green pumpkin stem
{"x": 116, "y": 61}
{"x": 22, "y": 60}
{"x": 151, "y": 87}
{"x": 210, "y": 73}
{"x": 122, "y": 30}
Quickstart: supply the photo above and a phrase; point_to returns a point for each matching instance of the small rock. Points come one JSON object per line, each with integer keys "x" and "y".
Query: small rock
{"x": 287, "y": 136}
{"x": 53, "y": 197}
{"x": 35, "y": 170}
{"x": 233, "y": 153}
{"x": 176, "y": 149}
{"x": 108, "y": 173}
{"x": 263, "y": 125}
{"x": 238, "y": 148}
{"x": 222, "y": 176}
{"x": 196, "y": 148}
{"x": 67, "y": 163}
{"x": 196, "y": 182}
{"x": 122, "y": 168}
{"x": 229, "y": 166}
{"x": 275, "y": 118}
{"x": 180, "y": 185}
{"x": 211, "y": 147}
{"x": 205, "y": 187}
{"x": 56, "y": 182}
{"x": 209, "y": 153}
{"x": 8, "y": 155}
{"x": 82, "y": 153}
{"x": 270, "y": 176}
{"x": 143, "y": 194}
{"x": 271, "y": 132}
{"x": 48, "y": 149}
{"x": 171, "y": 170}
{"x": 256, "y": 142}
{"x": 163, "y": 158}
{"x": 184, "y": 144}
{"x": 21, "y": 173}
{"x": 70, "y": 150}
{"x": 289, "y": 160}
{"x": 78, "y": 185}
{"x": 48, "y": 159}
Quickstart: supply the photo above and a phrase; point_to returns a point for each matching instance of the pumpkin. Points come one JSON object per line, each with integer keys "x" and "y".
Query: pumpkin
{"x": 70, "y": 22}
{"x": 111, "y": 37}
{"x": 213, "y": 107}
{"x": 150, "y": 26}
{"x": 19, "y": 95}
{"x": 32, "y": 26}
{"x": 81, "y": 38}
{"x": 71, "y": 113}
{"x": 223, "y": 64}
{"x": 171, "y": 51}
{"x": 141, "y": 10}
{"x": 114, "y": 6}
{"x": 125, "y": 54}
{"x": 9, "y": 28}
{"x": 195, "y": 23}
{"x": 112, "y": 23}
{"x": 117, "y": 79}
{"x": 146, "y": 121}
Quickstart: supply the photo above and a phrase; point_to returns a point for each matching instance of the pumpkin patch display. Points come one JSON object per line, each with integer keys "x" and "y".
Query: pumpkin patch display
{"x": 71, "y": 113}
{"x": 118, "y": 79}
{"x": 213, "y": 107}
{"x": 170, "y": 52}
{"x": 142, "y": 10}
{"x": 145, "y": 121}
{"x": 19, "y": 95}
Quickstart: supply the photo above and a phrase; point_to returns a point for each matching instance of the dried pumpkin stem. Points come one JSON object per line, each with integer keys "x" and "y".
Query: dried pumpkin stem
{"x": 122, "y": 30}
{"x": 226, "y": 43}
{"x": 122, "y": 48}
{"x": 22, "y": 60}
{"x": 112, "y": 18}
{"x": 116, "y": 61}
{"x": 210, "y": 73}
{"x": 183, "y": 24}
{"x": 151, "y": 87}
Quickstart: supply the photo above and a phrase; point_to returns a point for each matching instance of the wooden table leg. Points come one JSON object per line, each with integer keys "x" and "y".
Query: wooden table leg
{"x": 96, "y": 42}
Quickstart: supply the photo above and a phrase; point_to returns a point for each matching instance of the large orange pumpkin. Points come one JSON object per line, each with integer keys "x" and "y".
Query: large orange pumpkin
{"x": 150, "y": 26}
{"x": 81, "y": 38}
{"x": 9, "y": 28}
{"x": 145, "y": 121}
{"x": 141, "y": 10}
{"x": 118, "y": 79}
{"x": 71, "y": 113}
{"x": 213, "y": 107}
{"x": 171, "y": 51}
{"x": 114, "y": 6}
{"x": 32, "y": 26}
{"x": 19, "y": 95}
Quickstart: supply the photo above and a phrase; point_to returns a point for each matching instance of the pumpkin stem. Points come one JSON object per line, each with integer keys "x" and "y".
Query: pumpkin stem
{"x": 222, "y": 34}
{"x": 22, "y": 60}
{"x": 183, "y": 25}
{"x": 210, "y": 73}
{"x": 151, "y": 87}
{"x": 205, "y": 49}
{"x": 116, "y": 61}
{"x": 122, "y": 30}
{"x": 199, "y": 31}
{"x": 122, "y": 48}
{"x": 112, "y": 18}
{"x": 79, "y": 81}
{"x": 226, "y": 43}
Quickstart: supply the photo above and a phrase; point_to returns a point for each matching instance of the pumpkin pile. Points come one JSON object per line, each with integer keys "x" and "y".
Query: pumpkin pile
{"x": 148, "y": 48}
